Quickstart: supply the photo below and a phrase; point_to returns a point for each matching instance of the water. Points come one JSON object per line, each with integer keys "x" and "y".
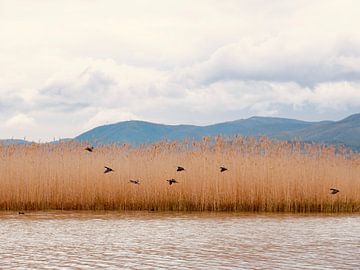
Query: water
{"x": 173, "y": 240}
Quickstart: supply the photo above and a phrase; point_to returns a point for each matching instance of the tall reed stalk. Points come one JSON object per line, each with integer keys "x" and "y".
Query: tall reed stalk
{"x": 263, "y": 175}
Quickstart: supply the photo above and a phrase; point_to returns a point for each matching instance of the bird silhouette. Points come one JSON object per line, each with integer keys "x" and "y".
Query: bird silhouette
{"x": 136, "y": 182}
{"x": 108, "y": 169}
{"x": 334, "y": 190}
{"x": 172, "y": 181}
{"x": 90, "y": 149}
{"x": 223, "y": 169}
{"x": 179, "y": 169}
{"x": 21, "y": 213}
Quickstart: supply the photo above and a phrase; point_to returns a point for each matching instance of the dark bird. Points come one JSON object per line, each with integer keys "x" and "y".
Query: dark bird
{"x": 172, "y": 181}
{"x": 136, "y": 182}
{"x": 107, "y": 169}
{"x": 21, "y": 213}
{"x": 334, "y": 190}
{"x": 179, "y": 169}
{"x": 223, "y": 169}
{"x": 90, "y": 149}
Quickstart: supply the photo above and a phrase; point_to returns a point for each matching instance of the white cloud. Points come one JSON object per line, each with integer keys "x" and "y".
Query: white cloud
{"x": 20, "y": 121}
{"x": 72, "y": 66}
{"x": 108, "y": 116}
{"x": 279, "y": 59}
{"x": 336, "y": 96}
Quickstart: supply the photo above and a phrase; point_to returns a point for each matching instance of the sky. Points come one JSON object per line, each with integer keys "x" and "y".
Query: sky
{"x": 69, "y": 66}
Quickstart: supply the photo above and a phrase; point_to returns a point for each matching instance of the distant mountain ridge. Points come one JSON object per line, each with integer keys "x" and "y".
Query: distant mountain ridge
{"x": 346, "y": 131}
{"x": 13, "y": 141}
{"x": 343, "y": 132}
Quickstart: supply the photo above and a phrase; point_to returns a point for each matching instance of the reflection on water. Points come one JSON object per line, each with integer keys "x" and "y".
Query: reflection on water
{"x": 172, "y": 240}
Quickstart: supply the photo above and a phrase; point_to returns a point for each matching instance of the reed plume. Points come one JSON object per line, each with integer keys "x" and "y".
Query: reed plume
{"x": 262, "y": 175}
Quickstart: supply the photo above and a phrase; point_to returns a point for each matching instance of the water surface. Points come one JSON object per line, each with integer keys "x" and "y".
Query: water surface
{"x": 58, "y": 240}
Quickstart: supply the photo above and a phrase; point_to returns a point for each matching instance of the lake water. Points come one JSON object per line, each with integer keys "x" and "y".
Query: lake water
{"x": 174, "y": 240}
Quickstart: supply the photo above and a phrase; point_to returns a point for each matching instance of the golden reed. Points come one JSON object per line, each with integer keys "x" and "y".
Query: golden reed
{"x": 263, "y": 175}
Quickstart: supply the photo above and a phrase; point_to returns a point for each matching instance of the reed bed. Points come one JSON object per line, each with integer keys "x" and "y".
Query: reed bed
{"x": 263, "y": 175}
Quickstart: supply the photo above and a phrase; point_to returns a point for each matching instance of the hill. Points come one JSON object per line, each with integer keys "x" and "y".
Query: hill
{"x": 345, "y": 131}
{"x": 13, "y": 141}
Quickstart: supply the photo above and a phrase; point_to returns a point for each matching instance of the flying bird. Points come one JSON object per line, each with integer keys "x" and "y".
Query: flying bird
{"x": 223, "y": 169}
{"x": 136, "y": 182}
{"x": 107, "y": 169}
{"x": 21, "y": 213}
{"x": 334, "y": 190}
{"x": 179, "y": 169}
{"x": 172, "y": 181}
{"x": 90, "y": 149}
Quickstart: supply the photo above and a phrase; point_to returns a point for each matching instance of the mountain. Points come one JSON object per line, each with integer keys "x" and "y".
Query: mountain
{"x": 13, "y": 141}
{"x": 20, "y": 141}
{"x": 257, "y": 126}
{"x": 346, "y": 131}
{"x": 343, "y": 132}
{"x": 140, "y": 132}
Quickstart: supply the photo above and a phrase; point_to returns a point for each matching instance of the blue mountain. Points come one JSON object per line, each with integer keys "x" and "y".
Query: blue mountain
{"x": 343, "y": 132}
{"x": 346, "y": 131}
{"x": 13, "y": 141}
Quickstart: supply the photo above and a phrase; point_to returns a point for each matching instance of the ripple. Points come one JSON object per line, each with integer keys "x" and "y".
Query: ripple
{"x": 173, "y": 240}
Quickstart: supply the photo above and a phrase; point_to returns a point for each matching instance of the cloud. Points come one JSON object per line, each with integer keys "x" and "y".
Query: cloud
{"x": 76, "y": 93}
{"x": 169, "y": 63}
{"x": 101, "y": 95}
{"x": 108, "y": 116}
{"x": 279, "y": 59}
{"x": 20, "y": 121}
{"x": 336, "y": 96}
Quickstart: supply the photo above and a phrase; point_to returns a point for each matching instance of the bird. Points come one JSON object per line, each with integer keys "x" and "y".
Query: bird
{"x": 136, "y": 182}
{"x": 21, "y": 213}
{"x": 90, "y": 149}
{"x": 179, "y": 169}
{"x": 223, "y": 169}
{"x": 107, "y": 169}
{"x": 172, "y": 181}
{"x": 334, "y": 190}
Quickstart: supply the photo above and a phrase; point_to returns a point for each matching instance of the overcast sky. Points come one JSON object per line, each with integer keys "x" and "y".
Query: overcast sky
{"x": 68, "y": 66}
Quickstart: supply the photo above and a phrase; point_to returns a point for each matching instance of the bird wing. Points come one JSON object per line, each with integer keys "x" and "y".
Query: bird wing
{"x": 108, "y": 169}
